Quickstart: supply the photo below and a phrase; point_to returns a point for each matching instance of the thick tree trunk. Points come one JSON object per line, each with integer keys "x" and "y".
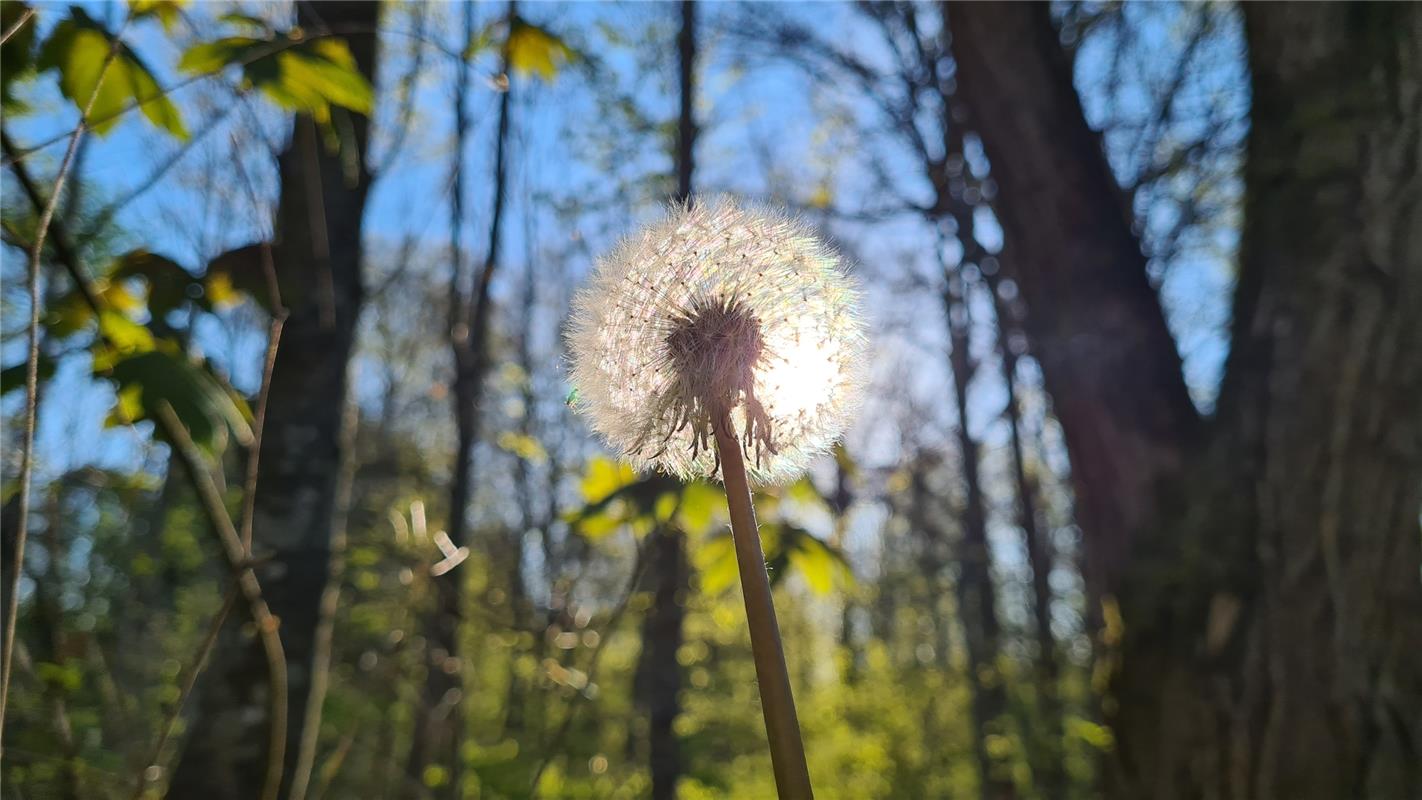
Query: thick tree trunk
{"x": 1266, "y": 576}
{"x": 320, "y": 275}
{"x": 1095, "y": 322}
{"x": 1321, "y": 411}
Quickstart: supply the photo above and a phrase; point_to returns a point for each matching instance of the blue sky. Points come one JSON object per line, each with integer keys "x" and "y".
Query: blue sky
{"x": 767, "y": 131}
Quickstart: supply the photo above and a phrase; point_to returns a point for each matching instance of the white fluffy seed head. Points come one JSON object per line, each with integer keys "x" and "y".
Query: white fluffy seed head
{"x": 720, "y": 308}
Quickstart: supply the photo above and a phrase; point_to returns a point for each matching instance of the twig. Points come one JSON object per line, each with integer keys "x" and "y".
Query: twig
{"x": 105, "y": 216}
{"x": 236, "y": 555}
{"x": 194, "y": 668}
{"x": 274, "y": 329}
{"x": 27, "y": 455}
{"x": 787, "y": 752}
{"x": 19, "y": 23}
{"x": 332, "y": 767}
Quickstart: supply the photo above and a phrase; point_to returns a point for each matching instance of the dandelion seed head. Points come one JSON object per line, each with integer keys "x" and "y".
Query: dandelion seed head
{"x": 720, "y": 308}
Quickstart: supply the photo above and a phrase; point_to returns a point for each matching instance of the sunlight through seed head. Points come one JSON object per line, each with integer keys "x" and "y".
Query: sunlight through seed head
{"x": 720, "y": 306}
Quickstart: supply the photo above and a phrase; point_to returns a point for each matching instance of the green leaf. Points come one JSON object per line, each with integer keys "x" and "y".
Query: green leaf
{"x": 128, "y": 407}
{"x": 64, "y": 677}
{"x": 200, "y": 401}
{"x": 600, "y": 524}
{"x": 169, "y": 285}
{"x": 123, "y": 334}
{"x": 1098, "y": 736}
{"x": 79, "y": 48}
{"x": 166, "y": 11}
{"x": 71, "y": 313}
{"x": 481, "y": 42}
{"x": 327, "y": 67}
{"x": 306, "y": 76}
{"x": 816, "y": 566}
{"x": 236, "y": 272}
{"x": 248, "y": 21}
{"x": 816, "y": 561}
{"x": 209, "y": 57}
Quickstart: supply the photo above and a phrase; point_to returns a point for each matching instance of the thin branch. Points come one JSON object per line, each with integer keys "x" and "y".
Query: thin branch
{"x": 210, "y": 499}
{"x": 407, "y": 92}
{"x": 27, "y": 455}
{"x": 19, "y": 23}
{"x": 106, "y": 215}
{"x": 274, "y": 329}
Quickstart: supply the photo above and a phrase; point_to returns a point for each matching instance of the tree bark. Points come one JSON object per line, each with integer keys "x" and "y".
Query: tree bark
{"x": 318, "y": 261}
{"x": 1264, "y": 565}
{"x": 1095, "y": 322}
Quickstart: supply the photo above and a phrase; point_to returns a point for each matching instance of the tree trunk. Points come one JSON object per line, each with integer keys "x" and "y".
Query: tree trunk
{"x": 977, "y": 594}
{"x": 318, "y": 262}
{"x": 1264, "y": 567}
{"x": 1037, "y": 543}
{"x": 438, "y": 721}
{"x": 658, "y": 678}
{"x": 659, "y": 674}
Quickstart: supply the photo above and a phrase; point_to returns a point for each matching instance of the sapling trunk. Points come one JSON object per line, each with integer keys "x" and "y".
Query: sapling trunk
{"x": 787, "y": 751}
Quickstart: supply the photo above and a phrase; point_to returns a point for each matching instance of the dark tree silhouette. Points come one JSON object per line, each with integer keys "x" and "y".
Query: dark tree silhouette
{"x": 317, "y": 255}
{"x": 1263, "y": 561}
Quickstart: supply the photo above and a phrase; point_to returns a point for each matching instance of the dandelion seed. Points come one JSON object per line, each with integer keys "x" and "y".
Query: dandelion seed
{"x": 719, "y": 309}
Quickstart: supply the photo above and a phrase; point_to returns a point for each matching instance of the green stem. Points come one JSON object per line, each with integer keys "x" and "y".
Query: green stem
{"x": 787, "y": 751}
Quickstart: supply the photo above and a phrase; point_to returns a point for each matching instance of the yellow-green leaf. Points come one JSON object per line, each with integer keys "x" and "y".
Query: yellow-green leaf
{"x": 524, "y": 446}
{"x": 128, "y": 407}
{"x": 168, "y": 283}
{"x": 605, "y": 476}
{"x": 700, "y": 504}
{"x": 124, "y": 334}
{"x": 166, "y": 11}
{"x": 534, "y": 50}
{"x": 79, "y": 49}
{"x": 596, "y": 526}
{"x": 715, "y": 560}
{"x": 204, "y": 405}
{"x": 665, "y": 507}
{"x": 816, "y": 566}
{"x": 306, "y": 76}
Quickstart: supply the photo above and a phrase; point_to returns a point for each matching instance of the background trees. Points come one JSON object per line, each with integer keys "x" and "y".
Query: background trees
{"x": 1132, "y": 506}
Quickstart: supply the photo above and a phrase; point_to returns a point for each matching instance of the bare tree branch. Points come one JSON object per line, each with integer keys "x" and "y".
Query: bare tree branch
{"x": 27, "y": 455}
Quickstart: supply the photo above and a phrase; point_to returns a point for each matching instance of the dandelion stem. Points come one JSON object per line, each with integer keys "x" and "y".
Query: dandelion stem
{"x": 787, "y": 752}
